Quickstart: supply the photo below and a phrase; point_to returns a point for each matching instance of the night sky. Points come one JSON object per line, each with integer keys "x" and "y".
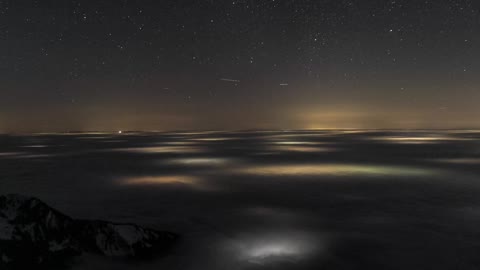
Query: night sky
{"x": 242, "y": 64}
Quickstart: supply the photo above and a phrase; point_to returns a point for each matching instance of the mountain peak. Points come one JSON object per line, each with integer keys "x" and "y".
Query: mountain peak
{"x": 34, "y": 234}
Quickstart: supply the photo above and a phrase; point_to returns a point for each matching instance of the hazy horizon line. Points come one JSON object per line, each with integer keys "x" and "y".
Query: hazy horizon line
{"x": 232, "y": 130}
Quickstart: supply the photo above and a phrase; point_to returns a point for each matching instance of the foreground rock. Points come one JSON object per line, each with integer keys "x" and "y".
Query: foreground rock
{"x": 32, "y": 234}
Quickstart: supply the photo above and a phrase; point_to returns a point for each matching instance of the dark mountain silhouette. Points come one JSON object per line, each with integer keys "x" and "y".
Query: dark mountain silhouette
{"x": 32, "y": 234}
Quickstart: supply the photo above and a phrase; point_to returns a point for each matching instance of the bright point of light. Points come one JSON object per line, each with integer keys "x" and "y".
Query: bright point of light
{"x": 119, "y": 132}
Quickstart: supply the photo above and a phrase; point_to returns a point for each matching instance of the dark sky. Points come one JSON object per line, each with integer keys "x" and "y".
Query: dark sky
{"x": 199, "y": 64}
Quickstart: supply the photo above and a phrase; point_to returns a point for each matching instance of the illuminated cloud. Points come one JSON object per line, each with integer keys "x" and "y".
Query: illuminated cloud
{"x": 215, "y": 139}
{"x": 301, "y": 148}
{"x": 165, "y": 180}
{"x": 284, "y": 144}
{"x": 162, "y": 149}
{"x": 297, "y": 143}
{"x": 12, "y": 154}
{"x": 333, "y": 170}
{"x": 420, "y": 139}
{"x": 201, "y": 161}
{"x": 287, "y": 246}
{"x": 465, "y": 161}
{"x": 36, "y": 146}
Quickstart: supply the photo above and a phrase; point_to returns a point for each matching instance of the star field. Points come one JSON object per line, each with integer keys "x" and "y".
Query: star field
{"x": 156, "y": 65}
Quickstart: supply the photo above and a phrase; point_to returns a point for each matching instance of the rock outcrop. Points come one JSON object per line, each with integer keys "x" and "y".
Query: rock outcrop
{"x": 32, "y": 234}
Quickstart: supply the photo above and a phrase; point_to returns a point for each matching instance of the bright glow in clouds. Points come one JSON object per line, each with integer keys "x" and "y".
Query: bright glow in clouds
{"x": 289, "y": 246}
{"x": 178, "y": 142}
{"x": 418, "y": 139}
{"x": 215, "y": 139}
{"x": 162, "y": 149}
{"x": 274, "y": 249}
{"x": 296, "y": 143}
{"x": 301, "y": 148}
{"x": 148, "y": 180}
{"x": 287, "y": 135}
{"x": 35, "y": 146}
{"x": 187, "y": 180}
{"x": 184, "y": 181}
{"x": 26, "y": 155}
{"x": 11, "y": 154}
{"x": 201, "y": 161}
{"x": 334, "y": 170}
{"x": 465, "y": 161}
{"x": 96, "y": 137}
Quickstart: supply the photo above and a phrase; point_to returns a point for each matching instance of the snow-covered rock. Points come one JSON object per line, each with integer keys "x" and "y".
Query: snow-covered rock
{"x": 34, "y": 234}
{"x": 121, "y": 240}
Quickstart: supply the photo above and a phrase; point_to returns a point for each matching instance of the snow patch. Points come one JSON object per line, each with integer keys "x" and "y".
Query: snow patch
{"x": 130, "y": 234}
{"x": 6, "y": 230}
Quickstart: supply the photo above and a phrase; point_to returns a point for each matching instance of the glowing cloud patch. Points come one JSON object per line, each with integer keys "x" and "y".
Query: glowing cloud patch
{"x": 465, "y": 161}
{"x": 162, "y": 149}
{"x": 36, "y": 146}
{"x": 418, "y": 139}
{"x": 274, "y": 249}
{"x": 296, "y": 143}
{"x": 201, "y": 161}
{"x": 334, "y": 170}
{"x": 301, "y": 148}
{"x": 10, "y": 154}
{"x": 215, "y": 139}
{"x": 289, "y": 246}
{"x": 185, "y": 180}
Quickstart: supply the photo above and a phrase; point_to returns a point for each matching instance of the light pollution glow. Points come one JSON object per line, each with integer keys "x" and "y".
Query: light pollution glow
{"x": 162, "y": 149}
{"x": 301, "y": 148}
{"x": 161, "y": 180}
{"x": 201, "y": 161}
{"x": 292, "y": 117}
{"x": 333, "y": 169}
{"x": 418, "y": 139}
{"x": 279, "y": 246}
